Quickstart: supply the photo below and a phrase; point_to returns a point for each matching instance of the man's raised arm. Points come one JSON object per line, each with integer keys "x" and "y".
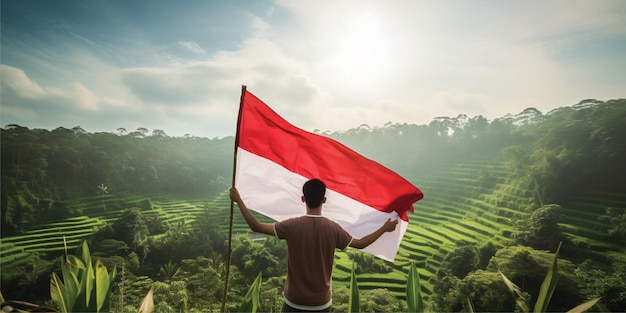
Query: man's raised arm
{"x": 388, "y": 226}
{"x": 255, "y": 225}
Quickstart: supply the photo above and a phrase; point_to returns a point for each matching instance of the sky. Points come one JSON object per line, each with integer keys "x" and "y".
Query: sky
{"x": 178, "y": 66}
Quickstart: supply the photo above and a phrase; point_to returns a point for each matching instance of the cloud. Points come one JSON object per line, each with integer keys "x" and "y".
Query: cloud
{"x": 210, "y": 87}
{"x": 19, "y": 90}
{"x": 84, "y": 98}
{"x": 15, "y": 84}
{"x": 191, "y": 46}
{"x": 26, "y": 102}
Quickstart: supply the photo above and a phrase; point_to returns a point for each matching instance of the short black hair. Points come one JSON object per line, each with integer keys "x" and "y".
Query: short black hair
{"x": 314, "y": 191}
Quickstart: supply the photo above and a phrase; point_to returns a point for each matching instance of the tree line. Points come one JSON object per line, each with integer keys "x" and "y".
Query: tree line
{"x": 41, "y": 167}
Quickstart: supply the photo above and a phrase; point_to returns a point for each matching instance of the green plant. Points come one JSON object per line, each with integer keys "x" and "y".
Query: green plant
{"x": 353, "y": 301}
{"x": 413, "y": 296}
{"x": 85, "y": 287}
{"x": 545, "y": 293}
{"x": 251, "y": 301}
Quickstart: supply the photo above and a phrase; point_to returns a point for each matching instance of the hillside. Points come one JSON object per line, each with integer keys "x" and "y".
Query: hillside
{"x": 482, "y": 181}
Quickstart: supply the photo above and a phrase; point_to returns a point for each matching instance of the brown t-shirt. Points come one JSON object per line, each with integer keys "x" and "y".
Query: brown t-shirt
{"x": 311, "y": 243}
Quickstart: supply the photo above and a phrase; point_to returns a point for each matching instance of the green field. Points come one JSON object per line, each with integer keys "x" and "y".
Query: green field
{"x": 456, "y": 209}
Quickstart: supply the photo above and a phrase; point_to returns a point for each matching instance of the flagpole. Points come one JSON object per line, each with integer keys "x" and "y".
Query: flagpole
{"x": 232, "y": 204}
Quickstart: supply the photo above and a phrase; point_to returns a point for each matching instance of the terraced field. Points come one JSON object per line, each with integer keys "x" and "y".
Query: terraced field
{"x": 471, "y": 202}
{"x": 49, "y": 237}
{"x": 456, "y": 209}
{"x": 17, "y": 250}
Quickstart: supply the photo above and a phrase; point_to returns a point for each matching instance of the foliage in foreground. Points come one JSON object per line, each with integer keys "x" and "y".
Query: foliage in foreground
{"x": 84, "y": 288}
{"x": 87, "y": 289}
{"x": 547, "y": 289}
{"x": 413, "y": 296}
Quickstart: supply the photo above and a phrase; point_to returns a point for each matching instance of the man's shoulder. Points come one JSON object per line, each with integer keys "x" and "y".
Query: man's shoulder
{"x": 308, "y": 219}
{"x": 294, "y": 219}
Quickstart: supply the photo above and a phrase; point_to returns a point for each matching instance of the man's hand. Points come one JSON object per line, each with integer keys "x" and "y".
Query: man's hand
{"x": 390, "y": 225}
{"x": 234, "y": 195}
{"x": 264, "y": 228}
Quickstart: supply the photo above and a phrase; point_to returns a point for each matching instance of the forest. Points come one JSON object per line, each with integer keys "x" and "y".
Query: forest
{"x": 156, "y": 208}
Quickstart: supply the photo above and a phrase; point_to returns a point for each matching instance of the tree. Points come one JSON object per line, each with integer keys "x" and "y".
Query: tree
{"x": 486, "y": 292}
{"x": 169, "y": 271}
{"x": 203, "y": 277}
{"x": 617, "y": 225}
{"x": 461, "y": 261}
{"x": 541, "y": 230}
{"x": 158, "y": 133}
{"x": 456, "y": 265}
{"x": 131, "y": 228}
{"x": 171, "y": 296}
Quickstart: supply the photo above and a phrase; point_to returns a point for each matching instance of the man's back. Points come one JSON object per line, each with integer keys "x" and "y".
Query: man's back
{"x": 311, "y": 243}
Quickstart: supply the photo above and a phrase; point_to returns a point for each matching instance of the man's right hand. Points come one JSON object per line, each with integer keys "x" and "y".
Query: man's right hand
{"x": 234, "y": 195}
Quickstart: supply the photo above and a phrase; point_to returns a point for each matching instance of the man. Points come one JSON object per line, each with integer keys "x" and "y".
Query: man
{"x": 311, "y": 243}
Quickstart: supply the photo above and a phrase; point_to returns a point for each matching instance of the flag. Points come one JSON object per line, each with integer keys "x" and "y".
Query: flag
{"x": 274, "y": 159}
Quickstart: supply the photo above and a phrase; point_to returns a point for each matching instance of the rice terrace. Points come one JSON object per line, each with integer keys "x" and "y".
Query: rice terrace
{"x": 156, "y": 208}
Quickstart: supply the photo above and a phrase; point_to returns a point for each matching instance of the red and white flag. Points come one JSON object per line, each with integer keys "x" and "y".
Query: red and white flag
{"x": 275, "y": 158}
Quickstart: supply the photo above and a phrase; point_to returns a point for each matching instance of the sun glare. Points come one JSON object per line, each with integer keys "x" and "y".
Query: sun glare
{"x": 361, "y": 54}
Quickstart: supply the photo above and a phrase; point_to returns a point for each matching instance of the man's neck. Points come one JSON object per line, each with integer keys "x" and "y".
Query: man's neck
{"x": 314, "y": 211}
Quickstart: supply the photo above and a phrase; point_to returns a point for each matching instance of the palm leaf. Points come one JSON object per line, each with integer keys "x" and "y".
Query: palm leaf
{"x": 71, "y": 285}
{"x": 353, "y": 301}
{"x": 548, "y": 285}
{"x": 82, "y": 252}
{"x": 520, "y": 300}
{"x": 75, "y": 264}
{"x": 80, "y": 303}
{"x": 584, "y": 307}
{"x": 58, "y": 294}
{"x": 147, "y": 304}
{"x": 470, "y": 305}
{"x": 413, "y": 294}
{"x": 103, "y": 286}
{"x": 112, "y": 277}
{"x": 601, "y": 307}
{"x": 88, "y": 278}
{"x": 91, "y": 288}
{"x": 251, "y": 300}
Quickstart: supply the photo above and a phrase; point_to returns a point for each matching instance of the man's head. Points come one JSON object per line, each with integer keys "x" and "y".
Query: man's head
{"x": 314, "y": 192}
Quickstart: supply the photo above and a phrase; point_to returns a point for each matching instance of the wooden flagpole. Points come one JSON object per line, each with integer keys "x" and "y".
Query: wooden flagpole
{"x": 232, "y": 204}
